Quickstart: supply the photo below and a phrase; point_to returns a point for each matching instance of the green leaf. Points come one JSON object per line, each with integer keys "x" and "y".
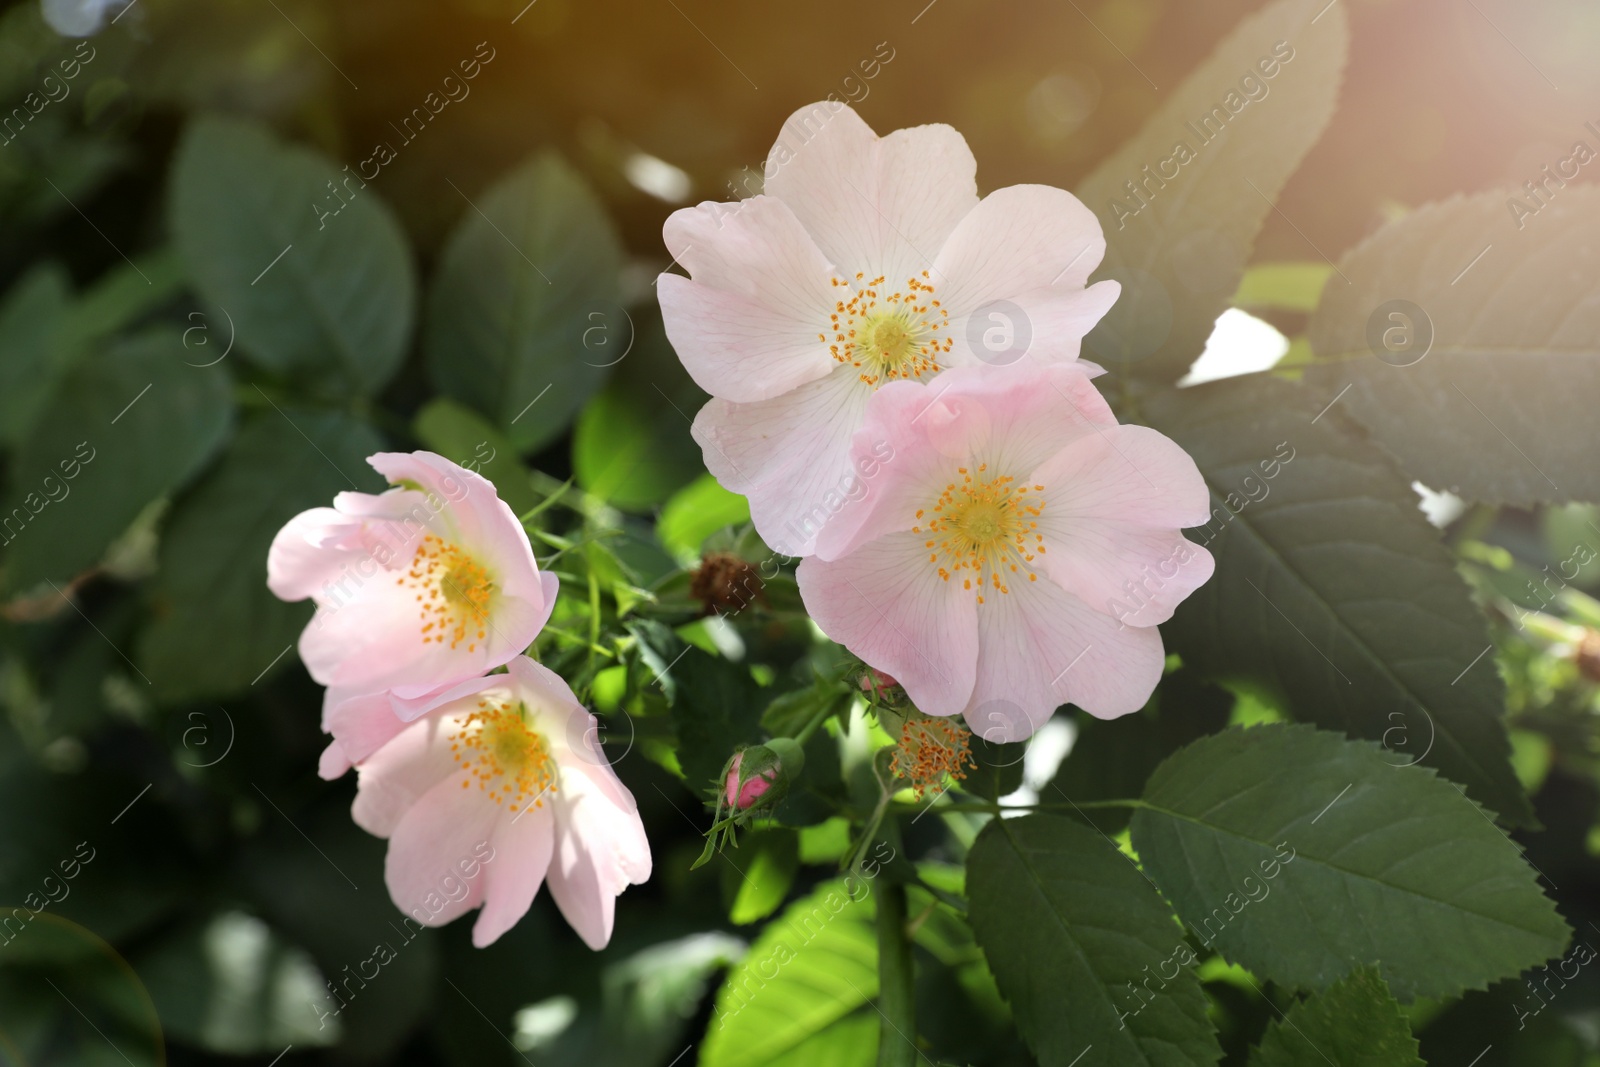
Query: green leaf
{"x": 632, "y": 445}
{"x": 716, "y": 711}
{"x": 999, "y": 768}
{"x": 1073, "y": 933}
{"x": 1514, "y": 364}
{"x": 125, "y": 427}
{"x": 1180, "y": 257}
{"x": 694, "y": 513}
{"x": 1111, "y": 759}
{"x": 32, "y": 320}
{"x": 1332, "y": 590}
{"x": 1303, "y": 856}
{"x": 213, "y": 571}
{"x": 463, "y": 436}
{"x": 312, "y": 287}
{"x": 811, "y": 968}
{"x": 523, "y": 316}
{"x": 759, "y": 873}
{"x": 230, "y": 984}
{"x": 1356, "y": 1023}
{"x": 850, "y": 1042}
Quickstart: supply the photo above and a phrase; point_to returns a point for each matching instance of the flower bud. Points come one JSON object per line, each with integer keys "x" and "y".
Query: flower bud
{"x": 876, "y": 679}
{"x": 770, "y": 766}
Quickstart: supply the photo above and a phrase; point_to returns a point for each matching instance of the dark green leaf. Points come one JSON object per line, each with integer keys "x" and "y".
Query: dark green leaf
{"x": 717, "y": 710}
{"x": 1112, "y": 759}
{"x": 32, "y": 319}
{"x": 126, "y": 427}
{"x": 1079, "y": 943}
{"x": 213, "y": 570}
{"x": 523, "y": 316}
{"x": 1498, "y": 357}
{"x": 1179, "y": 247}
{"x": 308, "y": 264}
{"x": 1332, "y": 590}
{"x": 1356, "y": 1023}
{"x": 812, "y": 967}
{"x": 1303, "y": 856}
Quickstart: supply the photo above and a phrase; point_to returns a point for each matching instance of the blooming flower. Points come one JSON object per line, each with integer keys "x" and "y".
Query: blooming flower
{"x": 497, "y": 790}
{"x": 865, "y": 261}
{"x": 417, "y": 588}
{"x": 1017, "y": 553}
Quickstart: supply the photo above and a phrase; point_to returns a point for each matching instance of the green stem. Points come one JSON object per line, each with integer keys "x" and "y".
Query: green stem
{"x": 896, "y": 1001}
{"x": 816, "y": 720}
{"x": 995, "y": 809}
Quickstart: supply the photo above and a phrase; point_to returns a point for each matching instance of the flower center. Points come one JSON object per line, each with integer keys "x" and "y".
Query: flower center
{"x": 888, "y": 335}
{"x": 453, "y": 593}
{"x": 930, "y": 750}
{"x": 987, "y": 528}
{"x": 509, "y": 759}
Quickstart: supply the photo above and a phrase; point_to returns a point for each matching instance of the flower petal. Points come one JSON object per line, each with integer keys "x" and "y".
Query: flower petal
{"x": 886, "y": 603}
{"x": 397, "y": 775}
{"x": 439, "y": 838}
{"x": 1041, "y": 647}
{"x": 876, "y": 206}
{"x": 600, "y": 850}
{"x": 361, "y": 723}
{"x": 522, "y": 844}
{"x": 789, "y": 455}
{"x": 1018, "y": 239}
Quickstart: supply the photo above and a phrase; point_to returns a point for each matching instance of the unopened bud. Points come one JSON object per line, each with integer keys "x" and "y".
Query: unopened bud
{"x": 876, "y": 679}
{"x": 742, "y": 797}
{"x": 758, "y": 770}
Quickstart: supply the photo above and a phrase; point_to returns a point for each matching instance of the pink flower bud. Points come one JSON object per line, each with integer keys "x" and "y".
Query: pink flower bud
{"x": 875, "y": 678}
{"x": 753, "y": 789}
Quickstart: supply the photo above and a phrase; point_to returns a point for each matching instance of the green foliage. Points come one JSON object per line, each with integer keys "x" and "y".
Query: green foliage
{"x": 694, "y": 513}
{"x": 1180, "y": 248}
{"x": 1439, "y": 899}
{"x": 759, "y": 873}
{"x": 103, "y": 451}
{"x": 512, "y": 328}
{"x": 308, "y": 265}
{"x": 212, "y": 579}
{"x": 795, "y": 998}
{"x": 1065, "y": 919}
{"x": 1332, "y": 590}
{"x": 1513, "y": 363}
{"x": 1356, "y": 1023}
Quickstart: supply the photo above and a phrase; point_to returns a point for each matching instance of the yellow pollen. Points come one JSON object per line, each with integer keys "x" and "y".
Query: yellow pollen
{"x": 509, "y": 760}
{"x": 985, "y": 527}
{"x": 889, "y": 335}
{"x": 454, "y": 593}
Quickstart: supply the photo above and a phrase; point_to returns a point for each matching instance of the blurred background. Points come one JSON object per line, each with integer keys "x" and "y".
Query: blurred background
{"x": 218, "y": 884}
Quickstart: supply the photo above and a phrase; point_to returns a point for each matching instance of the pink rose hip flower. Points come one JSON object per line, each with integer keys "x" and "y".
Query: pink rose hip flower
{"x": 865, "y": 261}
{"x": 417, "y": 588}
{"x": 1018, "y": 552}
{"x": 510, "y": 767}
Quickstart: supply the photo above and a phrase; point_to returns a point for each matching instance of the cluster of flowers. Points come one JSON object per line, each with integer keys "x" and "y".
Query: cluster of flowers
{"x": 423, "y": 593}
{"x": 973, "y": 523}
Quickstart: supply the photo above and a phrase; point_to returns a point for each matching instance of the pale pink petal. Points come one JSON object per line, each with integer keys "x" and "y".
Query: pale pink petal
{"x": 307, "y": 553}
{"x": 394, "y": 777}
{"x": 1018, "y": 239}
{"x": 886, "y": 603}
{"x": 1041, "y": 647}
{"x": 522, "y": 847}
{"x": 1131, "y": 473}
{"x": 752, "y": 323}
{"x": 361, "y": 723}
{"x": 789, "y": 455}
{"x": 434, "y": 867}
{"x": 736, "y": 349}
{"x": 600, "y": 851}
{"x": 1042, "y": 325}
{"x": 877, "y": 206}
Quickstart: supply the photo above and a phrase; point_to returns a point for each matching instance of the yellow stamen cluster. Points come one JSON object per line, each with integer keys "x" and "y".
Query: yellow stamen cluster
{"x": 985, "y": 527}
{"x": 888, "y": 335}
{"x": 508, "y": 759}
{"x": 453, "y": 590}
{"x": 931, "y": 749}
